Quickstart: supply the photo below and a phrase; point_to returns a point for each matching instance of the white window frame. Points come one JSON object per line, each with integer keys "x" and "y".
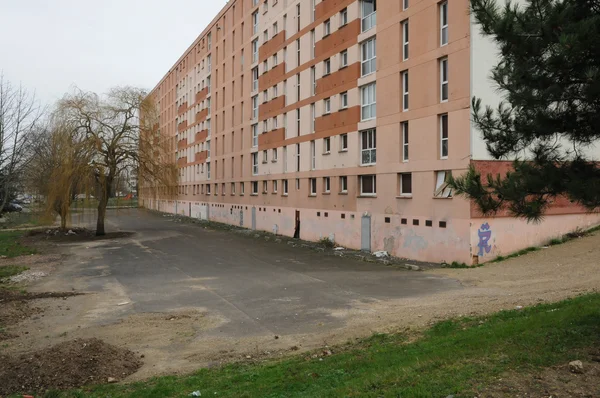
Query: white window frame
{"x": 444, "y": 140}
{"x": 255, "y": 22}
{"x": 312, "y": 183}
{"x": 405, "y": 141}
{"x": 254, "y": 129}
{"x": 255, "y": 107}
{"x": 254, "y": 158}
{"x": 313, "y": 155}
{"x": 254, "y": 51}
{"x": 343, "y": 184}
{"x": 405, "y": 39}
{"x": 274, "y": 155}
{"x": 326, "y": 145}
{"x": 442, "y": 189}
{"x": 404, "y": 4}
{"x": 327, "y": 28}
{"x": 327, "y": 106}
{"x": 326, "y": 66}
{"x": 254, "y": 185}
{"x": 326, "y": 185}
{"x": 444, "y": 88}
{"x": 343, "y": 59}
{"x": 343, "y": 17}
{"x": 343, "y": 142}
{"x": 368, "y": 57}
{"x": 344, "y": 100}
{"x": 369, "y": 20}
{"x": 368, "y": 147}
{"x": 274, "y": 186}
{"x": 374, "y": 184}
{"x": 405, "y": 98}
{"x": 402, "y": 187}
{"x": 368, "y": 102}
{"x": 443, "y": 23}
{"x": 285, "y": 187}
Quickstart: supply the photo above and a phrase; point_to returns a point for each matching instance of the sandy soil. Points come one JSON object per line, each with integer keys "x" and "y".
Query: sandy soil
{"x": 189, "y": 338}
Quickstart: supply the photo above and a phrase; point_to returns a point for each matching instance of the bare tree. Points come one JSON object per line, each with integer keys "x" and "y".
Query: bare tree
{"x": 20, "y": 115}
{"x": 59, "y": 167}
{"x": 111, "y": 124}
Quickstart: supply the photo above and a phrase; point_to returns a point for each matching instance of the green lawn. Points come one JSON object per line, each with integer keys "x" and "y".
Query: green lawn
{"x": 453, "y": 357}
{"x": 10, "y": 245}
{"x": 7, "y": 271}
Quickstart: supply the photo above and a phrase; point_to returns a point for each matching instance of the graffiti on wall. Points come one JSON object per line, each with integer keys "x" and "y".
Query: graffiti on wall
{"x": 485, "y": 234}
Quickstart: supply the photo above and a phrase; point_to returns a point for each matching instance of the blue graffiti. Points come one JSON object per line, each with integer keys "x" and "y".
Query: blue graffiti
{"x": 485, "y": 233}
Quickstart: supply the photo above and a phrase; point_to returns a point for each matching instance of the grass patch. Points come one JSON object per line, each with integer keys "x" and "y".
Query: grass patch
{"x": 516, "y": 254}
{"x": 10, "y": 245}
{"x": 453, "y": 357}
{"x": 112, "y": 203}
{"x": 11, "y": 270}
{"x": 326, "y": 243}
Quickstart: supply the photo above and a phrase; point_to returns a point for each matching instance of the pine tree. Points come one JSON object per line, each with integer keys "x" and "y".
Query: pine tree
{"x": 549, "y": 75}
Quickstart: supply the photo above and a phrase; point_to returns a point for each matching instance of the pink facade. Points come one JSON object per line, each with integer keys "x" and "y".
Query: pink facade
{"x": 337, "y": 119}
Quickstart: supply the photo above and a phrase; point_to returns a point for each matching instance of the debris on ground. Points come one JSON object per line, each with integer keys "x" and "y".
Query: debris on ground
{"x": 381, "y": 254}
{"x": 195, "y": 394}
{"x": 338, "y": 248}
{"x": 27, "y": 276}
{"x": 66, "y": 365}
{"x": 576, "y": 366}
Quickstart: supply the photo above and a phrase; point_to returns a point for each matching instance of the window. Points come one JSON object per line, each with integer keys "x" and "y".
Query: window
{"x": 298, "y": 89}
{"x": 265, "y": 156}
{"x": 298, "y": 17}
{"x": 274, "y": 186}
{"x": 254, "y": 129}
{"x": 405, "y": 141}
{"x": 298, "y": 52}
{"x": 444, "y": 80}
{"x": 313, "y": 44}
{"x": 255, "y": 107}
{"x": 255, "y": 22}
{"x": 326, "y": 185}
{"x": 255, "y": 163}
{"x": 344, "y": 59}
{"x": 368, "y": 100}
{"x": 208, "y": 170}
{"x": 274, "y": 155}
{"x": 444, "y": 24}
{"x": 265, "y": 36}
{"x": 285, "y": 186}
{"x": 344, "y": 100}
{"x": 368, "y": 55}
{"x": 405, "y": 40}
{"x": 326, "y": 67}
{"x": 343, "y": 184}
{"x": 223, "y": 189}
{"x": 368, "y": 185}
{"x": 265, "y": 187}
{"x": 275, "y": 92}
{"x": 285, "y": 159}
{"x": 313, "y": 78}
{"x": 208, "y": 189}
{"x": 368, "y": 145}
{"x": 343, "y": 17}
{"x": 444, "y": 136}
{"x": 275, "y": 29}
{"x": 254, "y": 50}
{"x": 343, "y": 142}
{"x": 326, "y": 145}
{"x": 265, "y": 96}
{"x": 369, "y": 14}
{"x": 327, "y": 105}
{"x": 405, "y": 180}
{"x": 313, "y": 156}
{"x": 254, "y": 187}
{"x": 404, "y": 4}
{"x": 442, "y": 189}
{"x": 405, "y": 90}
{"x": 313, "y": 186}
{"x": 242, "y": 188}
{"x": 233, "y": 188}
{"x": 297, "y": 157}
{"x": 255, "y": 79}
{"x": 326, "y": 28}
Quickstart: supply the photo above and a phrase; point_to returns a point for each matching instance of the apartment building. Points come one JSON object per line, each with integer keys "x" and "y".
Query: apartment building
{"x": 341, "y": 119}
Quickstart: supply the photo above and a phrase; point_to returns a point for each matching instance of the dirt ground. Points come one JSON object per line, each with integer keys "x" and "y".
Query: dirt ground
{"x": 186, "y": 338}
{"x": 556, "y": 382}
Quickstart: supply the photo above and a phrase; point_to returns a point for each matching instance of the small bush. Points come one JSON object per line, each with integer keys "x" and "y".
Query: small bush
{"x": 327, "y": 243}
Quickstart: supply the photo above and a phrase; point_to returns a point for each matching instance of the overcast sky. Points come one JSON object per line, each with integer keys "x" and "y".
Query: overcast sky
{"x": 51, "y": 45}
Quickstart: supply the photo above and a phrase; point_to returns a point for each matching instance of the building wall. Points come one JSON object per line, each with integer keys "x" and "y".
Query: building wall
{"x": 416, "y": 226}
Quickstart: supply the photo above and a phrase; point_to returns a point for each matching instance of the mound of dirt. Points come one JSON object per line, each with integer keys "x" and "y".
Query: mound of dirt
{"x": 67, "y": 365}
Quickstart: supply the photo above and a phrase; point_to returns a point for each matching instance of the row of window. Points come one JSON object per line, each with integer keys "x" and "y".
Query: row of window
{"x": 367, "y": 186}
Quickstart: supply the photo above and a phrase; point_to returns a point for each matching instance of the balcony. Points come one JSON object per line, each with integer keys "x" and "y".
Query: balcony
{"x": 182, "y": 143}
{"x": 271, "y": 139}
{"x": 272, "y": 77}
{"x": 271, "y": 107}
{"x": 344, "y": 76}
{"x": 339, "y": 122}
{"x": 201, "y": 95}
{"x": 182, "y": 126}
{"x": 182, "y": 108}
{"x": 270, "y": 47}
{"x": 201, "y": 136}
{"x": 338, "y": 40}
{"x": 201, "y": 116}
{"x": 200, "y": 157}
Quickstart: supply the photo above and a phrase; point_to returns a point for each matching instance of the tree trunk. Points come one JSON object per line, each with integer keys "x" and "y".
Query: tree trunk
{"x": 101, "y": 216}
{"x": 63, "y": 221}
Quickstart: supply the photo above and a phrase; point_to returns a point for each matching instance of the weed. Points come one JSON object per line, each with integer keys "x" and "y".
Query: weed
{"x": 11, "y": 270}
{"x": 327, "y": 243}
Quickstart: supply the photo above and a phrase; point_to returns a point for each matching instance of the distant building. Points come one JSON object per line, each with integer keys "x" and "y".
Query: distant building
{"x": 341, "y": 119}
